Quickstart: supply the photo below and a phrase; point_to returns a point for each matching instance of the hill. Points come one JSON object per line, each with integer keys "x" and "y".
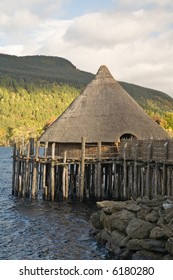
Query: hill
{"x": 34, "y": 90}
{"x": 49, "y": 68}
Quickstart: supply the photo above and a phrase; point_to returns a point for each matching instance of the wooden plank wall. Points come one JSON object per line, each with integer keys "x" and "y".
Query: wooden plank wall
{"x": 129, "y": 169}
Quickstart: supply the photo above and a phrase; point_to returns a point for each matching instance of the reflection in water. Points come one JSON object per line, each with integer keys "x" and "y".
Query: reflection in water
{"x": 42, "y": 230}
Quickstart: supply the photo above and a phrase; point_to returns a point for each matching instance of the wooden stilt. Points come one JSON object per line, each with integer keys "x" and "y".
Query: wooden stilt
{"x": 82, "y": 179}
{"x": 53, "y": 173}
{"x": 64, "y": 176}
{"x": 34, "y": 173}
{"x": 14, "y": 169}
{"x": 99, "y": 184}
{"x": 148, "y": 183}
{"x": 125, "y": 173}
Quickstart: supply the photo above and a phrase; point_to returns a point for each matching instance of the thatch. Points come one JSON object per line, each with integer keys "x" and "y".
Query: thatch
{"x": 104, "y": 111}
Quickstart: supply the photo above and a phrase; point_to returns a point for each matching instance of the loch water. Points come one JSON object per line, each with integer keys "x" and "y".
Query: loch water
{"x": 40, "y": 230}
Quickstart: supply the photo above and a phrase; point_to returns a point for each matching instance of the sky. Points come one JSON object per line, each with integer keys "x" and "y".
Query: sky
{"x": 133, "y": 38}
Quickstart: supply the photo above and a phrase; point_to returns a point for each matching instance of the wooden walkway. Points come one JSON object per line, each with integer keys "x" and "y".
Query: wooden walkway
{"x": 131, "y": 169}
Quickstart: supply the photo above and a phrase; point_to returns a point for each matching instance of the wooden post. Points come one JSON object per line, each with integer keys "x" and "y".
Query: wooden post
{"x": 20, "y": 173}
{"x": 94, "y": 180}
{"x": 53, "y": 173}
{"x": 17, "y": 172}
{"x": 99, "y": 181}
{"x": 116, "y": 181}
{"x": 14, "y": 169}
{"x": 125, "y": 173}
{"x": 72, "y": 183}
{"x": 77, "y": 181}
{"x": 66, "y": 182}
{"x": 44, "y": 187}
{"x": 82, "y": 174}
{"x": 130, "y": 182}
{"x": 148, "y": 191}
{"x": 168, "y": 181}
{"x": 34, "y": 175}
{"x": 27, "y": 173}
{"x": 165, "y": 152}
{"x": 134, "y": 191}
{"x": 32, "y": 145}
{"x": 64, "y": 177}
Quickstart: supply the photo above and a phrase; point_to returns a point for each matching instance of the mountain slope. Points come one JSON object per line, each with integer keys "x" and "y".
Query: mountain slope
{"x": 52, "y": 69}
{"x": 56, "y": 69}
{"x": 34, "y": 90}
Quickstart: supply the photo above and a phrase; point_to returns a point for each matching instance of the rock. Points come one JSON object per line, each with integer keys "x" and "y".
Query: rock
{"x": 133, "y": 207}
{"x": 167, "y": 231}
{"x": 133, "y": 245}
{"x": 138, "y": 200}
{"x": 105, "y": 220}
{"x": 107, "y": 210}
{"x": 139, "y": 229}
{"x": 147, "y": 255}
{"x": 119, "y": 220}
{"x": 119, "y": 238}
{"x": 113, "y": 247}
{"x": 171, "y": 224}
{"x": 157, "y": 233}
{"x": 95, "y": 220}
{"x": 161, "y": 222}
{"x": 168, "y": 257}
{"x": 103, "y": 236}
{"x": 153, "y": 245}
{"x": 142, "y": 213}
{"x": 153, "y": 216}
{"x": 125, "y": 254}
{"x": 161, "y": 232}
{"x": 168, "y": 217}
{"x": 168, "y": 204}
{"x": 169, "y": 245}
{"x": 118, "y": 205}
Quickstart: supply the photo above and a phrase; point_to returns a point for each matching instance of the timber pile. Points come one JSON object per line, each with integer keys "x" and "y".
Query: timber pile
{"x": 138, "y": 230}
{"x": 127, "y": 169}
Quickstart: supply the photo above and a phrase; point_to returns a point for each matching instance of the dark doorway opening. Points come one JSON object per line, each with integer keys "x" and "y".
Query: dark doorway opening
{"x": 128, "y": 136}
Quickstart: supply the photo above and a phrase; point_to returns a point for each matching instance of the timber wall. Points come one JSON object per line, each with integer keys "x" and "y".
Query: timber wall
{"x": 121, "y": 171}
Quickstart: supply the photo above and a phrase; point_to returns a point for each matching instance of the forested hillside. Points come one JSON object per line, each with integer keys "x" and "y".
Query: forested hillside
{"x": 35, "y": 90}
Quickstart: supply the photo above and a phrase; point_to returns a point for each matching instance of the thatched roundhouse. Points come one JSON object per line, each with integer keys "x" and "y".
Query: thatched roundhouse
{"x": 104, "y": 112}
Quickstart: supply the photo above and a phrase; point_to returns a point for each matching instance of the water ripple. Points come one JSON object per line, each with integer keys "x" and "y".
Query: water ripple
{"x": 42, "y": 230}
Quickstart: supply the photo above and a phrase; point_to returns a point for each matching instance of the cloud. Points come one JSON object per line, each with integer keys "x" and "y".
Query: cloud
{"x": 136, "y": 44}
{"x": 105, "y": 30}
{"x": 145, "y": 3}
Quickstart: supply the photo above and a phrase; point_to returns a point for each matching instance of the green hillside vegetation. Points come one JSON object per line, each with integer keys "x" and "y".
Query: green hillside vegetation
{"x": 29, "y": 69}
{"x": 35, "y": 90}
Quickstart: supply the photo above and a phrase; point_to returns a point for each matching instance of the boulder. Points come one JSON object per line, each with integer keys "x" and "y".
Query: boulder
{"x": 147, "y": 255}
{"x": 153, "y": 216}
{"x": 153, "y": 245}
{"x": 167, "y": 231}
{"x": 169, "y": 217}
{"x": 103, "y": 236}
{"x": 95, "y": 220}
{"x": 139, "y": 229}
{"x": 169, "y": 245}
{"x": 157, "y": 233}
{"x": 171, "y": 224}
{"x": 117, "y": 205}
{"x": 133, "y": 245}
{"x": 161, "y": 222}
{"x": 142, "y": 213}
{"x": 133, "y": 207}
{"x": 168, "y": 257}
{"x": 119, "y": 238}
{"x": 119, "y": 220}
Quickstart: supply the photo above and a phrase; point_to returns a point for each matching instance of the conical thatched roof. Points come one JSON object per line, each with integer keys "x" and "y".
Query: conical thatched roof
{"x": 104, "y": 111}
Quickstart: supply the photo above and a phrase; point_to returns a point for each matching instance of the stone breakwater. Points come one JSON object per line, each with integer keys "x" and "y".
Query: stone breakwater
{"x": 137, "y": 230}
